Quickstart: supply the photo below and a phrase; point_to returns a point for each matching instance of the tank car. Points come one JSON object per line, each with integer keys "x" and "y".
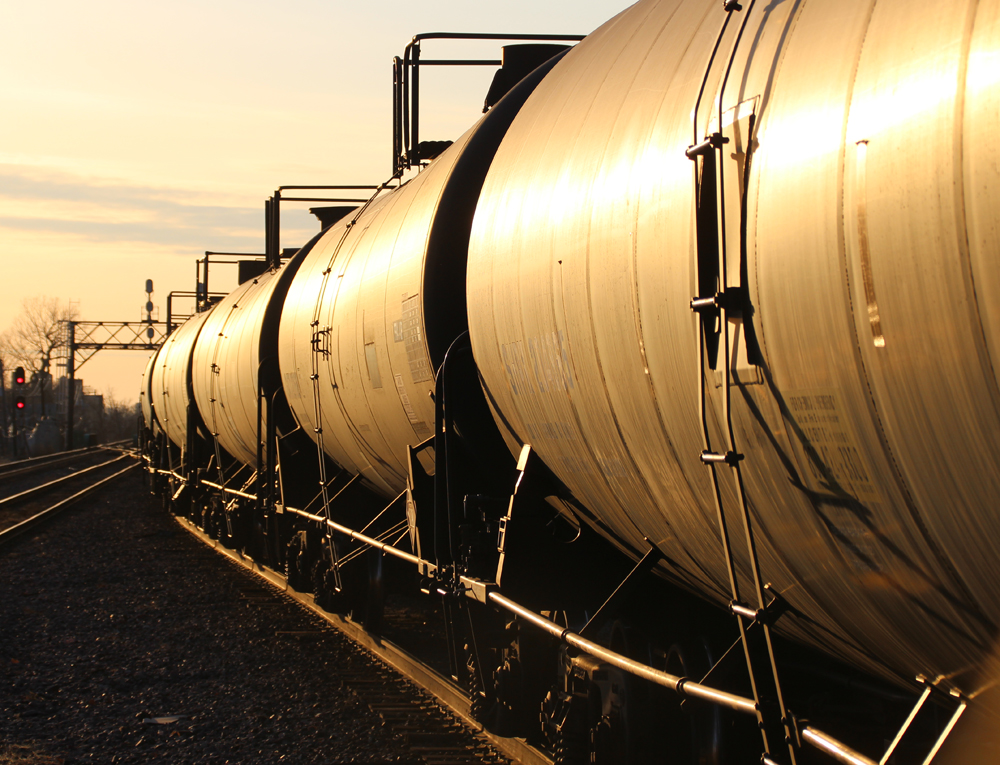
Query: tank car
{"x": 714, "y": 291}
{"x": 837, "y": 250}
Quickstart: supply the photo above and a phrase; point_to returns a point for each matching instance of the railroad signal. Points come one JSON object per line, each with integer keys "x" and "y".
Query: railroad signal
{"x": 19, "y": 380}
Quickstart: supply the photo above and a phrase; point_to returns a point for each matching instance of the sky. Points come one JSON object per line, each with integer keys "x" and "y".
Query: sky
{"x": 136, "y": 135}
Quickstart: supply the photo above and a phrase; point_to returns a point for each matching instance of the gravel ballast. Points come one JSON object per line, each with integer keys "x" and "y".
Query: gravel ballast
{"x": 125, "y": 640}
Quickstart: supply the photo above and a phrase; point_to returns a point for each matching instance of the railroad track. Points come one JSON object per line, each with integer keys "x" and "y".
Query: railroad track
{"x": 28, "y": 506}
{"x": 19, "y": 468}
{"x": 10, "y": 471}
{"x": 404, "y": 712}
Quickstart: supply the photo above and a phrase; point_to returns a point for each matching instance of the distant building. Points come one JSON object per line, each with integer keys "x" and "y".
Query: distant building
{"x": 41, "y": 425}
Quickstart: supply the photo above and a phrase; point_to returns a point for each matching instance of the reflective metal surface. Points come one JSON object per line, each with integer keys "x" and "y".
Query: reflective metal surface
{"x": 862, "y": 190}
{"x": 226, "y": 367}
{"x": 171, "y": 379}
{"x": 376, "y": 304}
{"x": 346, "y": 368}
{"x": 145, "y": 398}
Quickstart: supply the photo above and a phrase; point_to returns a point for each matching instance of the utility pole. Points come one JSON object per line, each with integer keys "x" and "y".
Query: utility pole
{"x": 3, "y": 410}
{"x": 70, "y": 380}
{"x": 42, "y": 376}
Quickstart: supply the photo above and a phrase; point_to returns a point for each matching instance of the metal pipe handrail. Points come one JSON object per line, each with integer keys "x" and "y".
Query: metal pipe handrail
{"x": 681, "y": 685}
{"x": 492, "y": 36}
{"x": 425, "y": 566}
{"x": 840, "y": 752}
{"x": 817, "y": 738}
{"x": 172, "y": 474}
{"x": 461, "y": 62}
{"x": 337, "y": 187}
{"x": 406, "y": 86}
{"x": 322, "y": 199}
{"x": 227, "y": 490}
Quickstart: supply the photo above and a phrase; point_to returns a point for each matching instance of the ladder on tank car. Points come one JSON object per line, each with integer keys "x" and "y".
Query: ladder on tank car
{"x": 714, "y": 309}
{"x": 714, "y": 305}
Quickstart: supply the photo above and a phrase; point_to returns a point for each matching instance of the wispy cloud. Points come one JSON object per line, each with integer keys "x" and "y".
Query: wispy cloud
{"x": 197, "y": 238}
{"x": 43, "y": 200}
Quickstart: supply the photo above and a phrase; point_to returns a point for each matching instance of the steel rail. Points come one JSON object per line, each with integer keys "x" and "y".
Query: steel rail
{"x": 29, "y": 493}
{"x": 442, "y": 688}
{"x": 34, "y": 464}
{"x": 19, "y": 528}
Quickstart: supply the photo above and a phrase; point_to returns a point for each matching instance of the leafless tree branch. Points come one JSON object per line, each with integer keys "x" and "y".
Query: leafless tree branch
{"x": 37, "y": 333}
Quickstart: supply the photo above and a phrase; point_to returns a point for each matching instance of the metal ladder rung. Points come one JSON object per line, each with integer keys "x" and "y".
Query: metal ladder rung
{"x": 729, "y": 458}
{"x": 725, "y": 300}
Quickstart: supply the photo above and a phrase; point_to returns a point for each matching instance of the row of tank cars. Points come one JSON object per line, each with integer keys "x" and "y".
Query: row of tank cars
{"x": 715, "y": 290}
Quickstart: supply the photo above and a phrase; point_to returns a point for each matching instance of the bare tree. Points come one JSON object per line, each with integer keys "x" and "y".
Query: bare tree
{"x": 37, "y": 333}
{"x": 119, "y": 420}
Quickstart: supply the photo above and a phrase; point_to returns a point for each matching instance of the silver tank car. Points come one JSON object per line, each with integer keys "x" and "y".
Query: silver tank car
{"x": 145, "y": 397}
{"x": 170, "y": 383}
{"x": 226, "y": 365}
{"x": 376, "y": 304}
{"x": 859, "y": 208}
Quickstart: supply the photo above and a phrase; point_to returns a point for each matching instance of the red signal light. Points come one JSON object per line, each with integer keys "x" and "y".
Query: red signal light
{"x": 19, "y": 377}
{"x": 19, "y": 402}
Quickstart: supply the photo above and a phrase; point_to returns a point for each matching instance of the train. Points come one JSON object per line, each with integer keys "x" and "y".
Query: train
{"x": 672, "y": 381}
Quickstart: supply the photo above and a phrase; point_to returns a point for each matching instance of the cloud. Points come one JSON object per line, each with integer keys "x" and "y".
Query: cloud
{"x": 106, "y": 210}
{"x": 171, "y": 234}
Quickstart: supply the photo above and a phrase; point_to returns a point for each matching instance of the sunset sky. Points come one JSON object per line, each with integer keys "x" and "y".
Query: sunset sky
{"x": 137, "y": 135}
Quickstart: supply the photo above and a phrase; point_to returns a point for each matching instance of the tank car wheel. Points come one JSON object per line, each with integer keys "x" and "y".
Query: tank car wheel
{"x": 604, "y": 742}
{"x": 507, "y": 679}
{"x": 374, "y": 603}
{"x": 232, "y": 523}
{"x": 362, "y": 594}
{"x": 166, "y": 501}
{"x": 474, "y": 686}
{"x": 318, "y": 577}
{"x": 626, "y": 728}
{"x": 214, "y": 518}
{"x": 296, "y": 562}
{"x": 256, "y": 538}
{"x": 572, "y": 745}
{"x": 183, "y": 506}
{"x": 693, "y": 732}
{"x": 324, "y": 585}
{"x": 206, "y": 516}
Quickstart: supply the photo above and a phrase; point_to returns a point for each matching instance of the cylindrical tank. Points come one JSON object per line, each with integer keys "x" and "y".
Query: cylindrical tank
{"x": 236, "y": 359}
{"x": 225, "y": 367}
{"x": 860, "y": 201}
{"x": 145, "y": 396}
{"x": 170, "y": 390}
{"x": 375, "y": 306}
